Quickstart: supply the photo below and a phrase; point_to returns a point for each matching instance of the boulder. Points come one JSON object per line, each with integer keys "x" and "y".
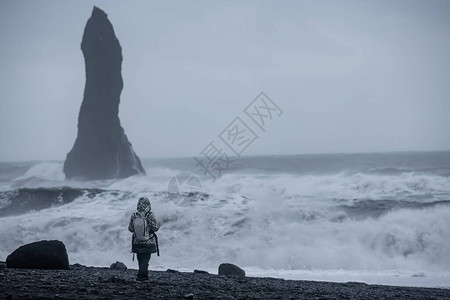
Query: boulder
{"x": 39, "y": 255}
{"x": 118, "y": 266}
{"x": 230, "y": 269}
{"x": 101, "y": 149}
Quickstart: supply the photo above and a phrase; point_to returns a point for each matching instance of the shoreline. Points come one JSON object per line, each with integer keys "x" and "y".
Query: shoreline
{"x": 382, "y": 277}
{"x": 81, "y": 282}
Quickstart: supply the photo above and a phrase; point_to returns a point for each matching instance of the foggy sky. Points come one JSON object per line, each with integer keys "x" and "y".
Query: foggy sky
{"x": 350, "y": 76}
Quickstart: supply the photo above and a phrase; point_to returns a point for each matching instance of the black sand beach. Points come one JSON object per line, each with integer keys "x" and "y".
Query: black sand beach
{"x": 80, "y": 282}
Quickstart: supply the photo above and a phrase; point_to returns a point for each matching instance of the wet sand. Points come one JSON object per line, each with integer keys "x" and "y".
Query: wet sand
{"x": 80, "y": 282}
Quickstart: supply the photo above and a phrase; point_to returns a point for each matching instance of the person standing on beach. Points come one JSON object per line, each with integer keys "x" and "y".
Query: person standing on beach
{"x": 143, "y": 225}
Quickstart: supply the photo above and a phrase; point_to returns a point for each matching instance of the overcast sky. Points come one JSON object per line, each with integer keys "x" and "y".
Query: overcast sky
{"x": 350, "y": 76}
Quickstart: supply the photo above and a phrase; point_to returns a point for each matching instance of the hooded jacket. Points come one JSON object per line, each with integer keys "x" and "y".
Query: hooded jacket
{"x": 144, "y": 210}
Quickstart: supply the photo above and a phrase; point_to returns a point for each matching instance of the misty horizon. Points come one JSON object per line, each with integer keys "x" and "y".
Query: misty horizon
{"x": 358, "y": 77}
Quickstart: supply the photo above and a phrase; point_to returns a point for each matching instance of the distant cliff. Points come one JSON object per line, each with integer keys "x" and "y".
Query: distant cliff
{"x": 102, "y": 149}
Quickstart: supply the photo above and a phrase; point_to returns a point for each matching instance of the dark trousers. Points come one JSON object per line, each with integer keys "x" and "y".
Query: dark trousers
{"x": 143, "y": 259}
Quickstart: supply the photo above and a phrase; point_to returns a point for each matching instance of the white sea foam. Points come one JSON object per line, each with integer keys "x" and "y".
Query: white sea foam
{"x": 51, "y": 171}
{"x": 284, "y": 225}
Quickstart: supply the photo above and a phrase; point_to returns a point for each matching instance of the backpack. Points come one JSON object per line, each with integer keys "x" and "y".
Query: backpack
{"x": 141, "y": 232}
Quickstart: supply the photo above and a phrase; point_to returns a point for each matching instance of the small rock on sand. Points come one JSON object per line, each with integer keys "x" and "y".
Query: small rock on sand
{"x": 230, "y": 269}
{"x": 118, "y": 266}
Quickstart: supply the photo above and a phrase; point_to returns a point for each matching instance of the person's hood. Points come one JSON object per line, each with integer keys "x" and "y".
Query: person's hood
{"x": 144, "y": 206}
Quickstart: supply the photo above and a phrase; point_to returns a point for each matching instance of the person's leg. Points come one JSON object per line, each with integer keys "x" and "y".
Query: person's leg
{"x": 143, "y": 260}
{"x": 146, "y": 259}
{"x": 140, "y": 263}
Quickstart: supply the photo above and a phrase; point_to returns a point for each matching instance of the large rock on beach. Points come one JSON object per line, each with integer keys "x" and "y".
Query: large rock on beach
{"x": 39, "y": 255}
{"x": 230, "y": 269}
{"x": 101, "y": 149}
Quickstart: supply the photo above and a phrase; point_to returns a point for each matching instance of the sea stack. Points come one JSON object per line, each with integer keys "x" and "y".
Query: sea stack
{"x": 101, "y": 149}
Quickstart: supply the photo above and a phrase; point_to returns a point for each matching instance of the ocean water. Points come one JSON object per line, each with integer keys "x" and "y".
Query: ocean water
{"x": 375, "y": 218}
